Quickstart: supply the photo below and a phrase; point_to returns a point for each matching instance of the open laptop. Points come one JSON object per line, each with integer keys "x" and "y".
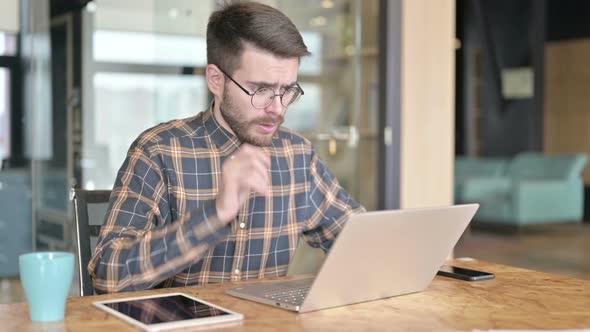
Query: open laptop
{"x": 377, "y": 255}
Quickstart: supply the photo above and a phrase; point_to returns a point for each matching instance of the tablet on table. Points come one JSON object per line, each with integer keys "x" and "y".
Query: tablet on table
{"x": 167, "y": 311}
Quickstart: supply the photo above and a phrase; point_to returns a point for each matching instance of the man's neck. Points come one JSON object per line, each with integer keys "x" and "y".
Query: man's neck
{"x": 219, "y": 117}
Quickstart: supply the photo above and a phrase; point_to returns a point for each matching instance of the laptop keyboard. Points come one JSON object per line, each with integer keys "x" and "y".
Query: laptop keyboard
{"x": 291, "y": 296}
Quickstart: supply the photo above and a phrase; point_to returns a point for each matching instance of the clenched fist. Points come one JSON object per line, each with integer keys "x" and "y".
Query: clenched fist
{"x": 242, "y": 173}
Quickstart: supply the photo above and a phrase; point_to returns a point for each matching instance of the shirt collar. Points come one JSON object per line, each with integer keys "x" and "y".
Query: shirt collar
{"x": 223, "y": 139}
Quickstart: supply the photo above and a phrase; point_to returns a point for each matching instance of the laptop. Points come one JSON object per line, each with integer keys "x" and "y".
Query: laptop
{"x": 377, "y": 255}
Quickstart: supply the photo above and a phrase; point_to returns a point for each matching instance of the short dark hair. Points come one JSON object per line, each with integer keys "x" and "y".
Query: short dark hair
{"x": 263, "y": 26}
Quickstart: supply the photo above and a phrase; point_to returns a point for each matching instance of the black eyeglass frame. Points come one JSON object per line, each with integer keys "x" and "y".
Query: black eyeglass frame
{"x": 251, "y": 94}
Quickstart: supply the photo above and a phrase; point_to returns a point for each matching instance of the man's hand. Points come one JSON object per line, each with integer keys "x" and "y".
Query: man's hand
{"x": 242, "y": 173}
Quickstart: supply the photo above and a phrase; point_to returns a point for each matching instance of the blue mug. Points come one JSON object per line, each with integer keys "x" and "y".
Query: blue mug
{"x": 46, "y": 278}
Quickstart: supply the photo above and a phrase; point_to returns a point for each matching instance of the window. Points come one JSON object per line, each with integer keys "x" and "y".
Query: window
{"x": 127, "y": 104}
{"x": 149, "y": 48}
{"x": 7, "y": 43}
{"x": 302, "y": 116}
{"x": 4, "y": 114}
{"x": 136, "y": 84}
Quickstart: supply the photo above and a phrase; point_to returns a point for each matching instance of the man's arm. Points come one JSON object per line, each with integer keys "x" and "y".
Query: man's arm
{"x": 330, "y": 205}
{"x": 140, "y": 244}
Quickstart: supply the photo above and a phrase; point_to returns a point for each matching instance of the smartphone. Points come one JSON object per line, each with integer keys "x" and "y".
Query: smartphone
{"x": 464, "y": 274}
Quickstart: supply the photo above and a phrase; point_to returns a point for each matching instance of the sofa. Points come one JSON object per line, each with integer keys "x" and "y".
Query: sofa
{"x": 474, "y": 168}
{"x": 533, "y": 189}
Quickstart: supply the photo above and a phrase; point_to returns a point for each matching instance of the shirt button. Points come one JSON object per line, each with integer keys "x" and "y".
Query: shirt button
{"x": 237, "y": 271}
{"x": 242, "y": 225}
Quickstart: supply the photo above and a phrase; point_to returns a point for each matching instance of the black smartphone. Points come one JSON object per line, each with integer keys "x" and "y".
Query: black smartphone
{"x": 464, "y": 274}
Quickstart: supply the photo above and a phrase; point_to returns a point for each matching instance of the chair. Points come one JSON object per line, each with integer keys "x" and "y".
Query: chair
{"x": 89, "y": 209}
{"x": 307, "y": 260}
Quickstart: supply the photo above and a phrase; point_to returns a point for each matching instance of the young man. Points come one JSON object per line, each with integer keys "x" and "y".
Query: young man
{"x": 224, "y": 195}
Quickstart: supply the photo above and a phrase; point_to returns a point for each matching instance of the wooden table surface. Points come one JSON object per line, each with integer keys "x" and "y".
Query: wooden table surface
{"x": 515, "y": 299}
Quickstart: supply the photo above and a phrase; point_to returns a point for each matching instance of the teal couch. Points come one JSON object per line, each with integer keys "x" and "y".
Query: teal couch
{"x": 534, "y": 189}
{"x": 467, "y": 168}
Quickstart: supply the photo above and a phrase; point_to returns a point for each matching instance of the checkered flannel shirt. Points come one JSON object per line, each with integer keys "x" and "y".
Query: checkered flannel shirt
{"x": 161, "y": 228}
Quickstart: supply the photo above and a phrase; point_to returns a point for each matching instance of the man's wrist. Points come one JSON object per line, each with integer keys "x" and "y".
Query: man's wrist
{"x": 222, "y": 214}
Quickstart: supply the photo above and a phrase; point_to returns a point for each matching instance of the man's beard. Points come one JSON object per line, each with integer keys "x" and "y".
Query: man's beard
{"x": 235, "y": 118}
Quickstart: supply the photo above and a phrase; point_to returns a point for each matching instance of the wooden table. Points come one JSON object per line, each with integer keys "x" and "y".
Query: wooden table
{"x": 515, "y": 299}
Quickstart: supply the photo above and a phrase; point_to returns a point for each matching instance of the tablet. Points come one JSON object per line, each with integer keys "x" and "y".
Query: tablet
{"x": 167, "y": 311}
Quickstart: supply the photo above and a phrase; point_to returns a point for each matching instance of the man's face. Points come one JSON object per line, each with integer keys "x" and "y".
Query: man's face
{"x": 258, "y": 69}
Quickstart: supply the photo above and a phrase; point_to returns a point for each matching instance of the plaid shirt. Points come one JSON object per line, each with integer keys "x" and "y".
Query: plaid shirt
{"x": 161, "y": 228}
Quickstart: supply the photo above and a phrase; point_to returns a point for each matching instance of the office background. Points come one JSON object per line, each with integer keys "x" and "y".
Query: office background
{"x": 395, "y": 91}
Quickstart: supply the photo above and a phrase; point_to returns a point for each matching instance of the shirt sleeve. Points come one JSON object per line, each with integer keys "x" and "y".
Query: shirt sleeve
{"x": 330, "y": 205}
{"x": 143, "y": 243}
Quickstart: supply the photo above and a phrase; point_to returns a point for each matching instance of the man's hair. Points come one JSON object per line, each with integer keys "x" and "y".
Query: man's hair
{"x": 255, "y": 23}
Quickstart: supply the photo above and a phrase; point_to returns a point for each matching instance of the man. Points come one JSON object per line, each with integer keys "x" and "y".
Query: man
{"x": 224, "y": 195}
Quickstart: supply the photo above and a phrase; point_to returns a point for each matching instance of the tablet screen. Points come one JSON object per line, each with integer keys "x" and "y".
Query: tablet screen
{"x": 165, "y": 309}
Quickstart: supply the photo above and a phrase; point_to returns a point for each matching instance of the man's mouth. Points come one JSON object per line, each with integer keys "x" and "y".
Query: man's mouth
{"x": 268, "y": 127}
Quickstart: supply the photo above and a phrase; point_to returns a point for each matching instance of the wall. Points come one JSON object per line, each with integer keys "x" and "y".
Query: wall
{"x": 567, "y": 56}
{"x": 568, "y": 19}
{"x": 427, "y": 102}
{"x": 567, "y": 100}
{"x": 491, "y": 128}
{"x": 494, "y": 127}
{"x": 9, "y": 15}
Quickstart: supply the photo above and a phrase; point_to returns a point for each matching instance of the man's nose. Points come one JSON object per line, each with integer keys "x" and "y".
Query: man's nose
{"x": 275, "y": 106}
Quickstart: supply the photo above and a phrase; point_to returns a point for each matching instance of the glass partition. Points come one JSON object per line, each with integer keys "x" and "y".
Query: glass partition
{"x": 8, "y": 43}
{"x": 127, "y": 104}
{"x": 339, "y": 115}
{"x": 135, "y": 80}
{"x": 4, "y": 114}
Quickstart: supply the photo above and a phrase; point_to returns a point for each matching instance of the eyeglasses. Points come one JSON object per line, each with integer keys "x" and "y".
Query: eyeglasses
{"x": 263, "y": 97}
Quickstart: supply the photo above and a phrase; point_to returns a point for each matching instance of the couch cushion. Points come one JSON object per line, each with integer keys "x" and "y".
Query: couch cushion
{"x": 475, "y": 167}
{"x": 530, "y": 165}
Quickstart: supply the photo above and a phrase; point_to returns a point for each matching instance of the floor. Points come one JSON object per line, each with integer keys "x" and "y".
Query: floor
{"x": 560, "y": 249}
{"x": 563, "y": 249}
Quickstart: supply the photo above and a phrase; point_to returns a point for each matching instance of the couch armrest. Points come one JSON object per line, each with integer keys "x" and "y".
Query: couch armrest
{"x": 548, "y": 198}
{"x": 477, "y": 189}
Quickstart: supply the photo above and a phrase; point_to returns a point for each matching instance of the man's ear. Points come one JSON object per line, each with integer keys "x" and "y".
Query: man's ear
{"x": 215, "y": 80}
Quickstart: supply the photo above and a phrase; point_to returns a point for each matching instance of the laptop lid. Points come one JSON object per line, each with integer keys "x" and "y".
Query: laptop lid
{"x": 387, "y": 253}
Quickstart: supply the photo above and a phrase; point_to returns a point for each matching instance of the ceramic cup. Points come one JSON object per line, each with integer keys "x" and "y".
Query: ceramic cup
{"x": 46, "y": 278}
